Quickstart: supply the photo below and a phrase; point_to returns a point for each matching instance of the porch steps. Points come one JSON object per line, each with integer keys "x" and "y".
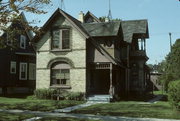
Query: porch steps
{"x": 99, "y": 98}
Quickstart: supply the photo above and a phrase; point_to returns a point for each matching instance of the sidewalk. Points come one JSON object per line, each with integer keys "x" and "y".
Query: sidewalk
{"x": 82, "y": 116}
{"x": 70, "y": 109}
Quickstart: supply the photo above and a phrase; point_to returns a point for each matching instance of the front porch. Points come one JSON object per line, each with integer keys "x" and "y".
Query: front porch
{"x": 103, "y": 79}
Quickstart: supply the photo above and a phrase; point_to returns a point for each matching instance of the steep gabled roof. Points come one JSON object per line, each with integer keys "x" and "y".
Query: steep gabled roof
{"x": 2, "y": 26}
{"x": 102, "y": 29}
{"x": 132, "y": 27}
{"x": 89, "y": 14}
{"x": 74, "y": 22}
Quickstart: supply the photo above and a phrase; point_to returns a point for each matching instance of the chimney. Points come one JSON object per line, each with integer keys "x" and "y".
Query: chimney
{"x": 81, "y": 17}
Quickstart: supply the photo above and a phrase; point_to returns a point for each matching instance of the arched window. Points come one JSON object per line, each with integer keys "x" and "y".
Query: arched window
{"x": 60, "y": 74}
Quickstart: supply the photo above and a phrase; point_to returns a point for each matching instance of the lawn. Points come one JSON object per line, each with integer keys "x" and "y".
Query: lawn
{"x": 35, "y": 104}
{"x": 20, "y": 117}
{"x": 133, "y": 109}
{"x": 63, "y": 119}
{"x": 14, "y": 117}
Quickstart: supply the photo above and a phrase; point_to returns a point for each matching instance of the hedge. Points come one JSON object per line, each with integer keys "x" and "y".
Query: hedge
{"x": 174, "y": 94}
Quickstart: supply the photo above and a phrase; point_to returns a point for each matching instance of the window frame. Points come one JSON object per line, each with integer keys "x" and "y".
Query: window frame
{"x": 64, "y": 72}
{"x": 33, "y": 67}
{"x": 20, "y": 75}
{"x": 11, "y": 66}
{"x": 60, "y": 48}
{"x": 23, "y": 40}
{"x": 60, "y": 80}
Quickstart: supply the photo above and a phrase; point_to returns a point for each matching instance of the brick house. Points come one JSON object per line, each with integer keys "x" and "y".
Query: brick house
{"x": 17, "y": 59}
{"x": 91, "y": 56}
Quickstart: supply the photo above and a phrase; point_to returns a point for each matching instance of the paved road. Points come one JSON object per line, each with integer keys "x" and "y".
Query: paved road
{"x": 83, "y": 116}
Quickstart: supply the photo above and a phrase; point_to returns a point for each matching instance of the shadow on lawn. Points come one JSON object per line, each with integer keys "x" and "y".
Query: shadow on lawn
{"x": 22, "y": 96}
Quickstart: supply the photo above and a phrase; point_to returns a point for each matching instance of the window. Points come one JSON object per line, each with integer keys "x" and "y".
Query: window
{"x": 13, "y": 67}
{"x": 23, "y": 71}
{"x": 60, "y": 74}
{"x": 60, "y": 39}
{"x": 32, "y": 71}
{"x": 23, "y": 42}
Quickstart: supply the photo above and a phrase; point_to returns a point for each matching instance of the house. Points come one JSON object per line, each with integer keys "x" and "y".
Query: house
{"x": 91, "y": 56}
{"x": 156, "y": 84}
{"x": 17, "y": 58}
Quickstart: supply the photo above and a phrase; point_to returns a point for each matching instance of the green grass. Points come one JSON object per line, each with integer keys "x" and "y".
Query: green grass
{"x": 132, "y": 109}
{"x": 63, "y": 119}
{"x": 35, "y": 104}
{"x": 159, "y": 92}
{"x": 14, "y": 117}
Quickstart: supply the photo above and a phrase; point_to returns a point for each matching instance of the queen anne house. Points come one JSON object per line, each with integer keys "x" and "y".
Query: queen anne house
{"x": 93, "y": 57}
{"x": 17, "y": 58}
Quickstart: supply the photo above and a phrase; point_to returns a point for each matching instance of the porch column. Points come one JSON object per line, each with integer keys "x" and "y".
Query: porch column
{"x": 111, "y": 92}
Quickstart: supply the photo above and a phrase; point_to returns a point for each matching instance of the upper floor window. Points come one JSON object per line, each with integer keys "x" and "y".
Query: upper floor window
{"x": 60, "y": 39}
{"x": 23, "y": 42}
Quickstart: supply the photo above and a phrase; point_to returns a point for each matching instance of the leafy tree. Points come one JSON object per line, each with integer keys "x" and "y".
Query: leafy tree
{"x": 103, "y": 18}
{"x": 172, "y": 65}
{"x": 10, "y": 11}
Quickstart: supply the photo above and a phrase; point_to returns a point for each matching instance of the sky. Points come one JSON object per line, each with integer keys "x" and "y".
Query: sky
{"x": 163, "y": 18}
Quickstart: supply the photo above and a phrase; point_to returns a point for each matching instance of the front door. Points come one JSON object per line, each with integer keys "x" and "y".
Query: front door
{"x": 100, "y": 81}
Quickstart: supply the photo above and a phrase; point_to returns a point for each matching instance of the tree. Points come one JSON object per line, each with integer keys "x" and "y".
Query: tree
{"x": 172, "y": 65}
{"x": 10, "y": 11}
{"x": 103, "y": 19}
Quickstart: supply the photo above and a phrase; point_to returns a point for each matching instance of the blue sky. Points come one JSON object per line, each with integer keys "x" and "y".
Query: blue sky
{"x": 163, "y": 17}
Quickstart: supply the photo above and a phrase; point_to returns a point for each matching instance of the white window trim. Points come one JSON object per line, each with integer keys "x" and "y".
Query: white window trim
{"x": 12, "y": 63}
{"x": 23, "y": 40}
{"x": 20, "y": 71}
{"x": 30, "y": 77}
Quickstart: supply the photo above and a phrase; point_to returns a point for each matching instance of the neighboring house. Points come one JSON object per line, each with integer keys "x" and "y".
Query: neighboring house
{"x": 92, "y": 57}
{"x": 17, "y": 59}
{"x": 156, "y": 84}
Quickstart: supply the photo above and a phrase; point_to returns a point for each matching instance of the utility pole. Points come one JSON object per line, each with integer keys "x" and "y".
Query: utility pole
{"x": 170, "y": 41}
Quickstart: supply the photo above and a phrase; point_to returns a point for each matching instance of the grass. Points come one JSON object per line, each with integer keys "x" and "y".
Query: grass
{"x": 20, "y": 117}
{"x": 35, "y": 104}
{"x": 159, "y": 92}
{"x": 14, "y": 117}
{"x": 63, "y": 119}
{"x": 133, "y": 109}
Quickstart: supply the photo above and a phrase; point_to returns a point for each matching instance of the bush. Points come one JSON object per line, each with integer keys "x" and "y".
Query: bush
{"x": 44, "y": 93}
{"x": 78, "y": 96}
{"x": 58, "y": 94}
{"x": 174, "y": 94}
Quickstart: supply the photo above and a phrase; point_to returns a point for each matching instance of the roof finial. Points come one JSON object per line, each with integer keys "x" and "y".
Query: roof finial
{"x": 62, "y": 5}
{"x": 110, "y": 14}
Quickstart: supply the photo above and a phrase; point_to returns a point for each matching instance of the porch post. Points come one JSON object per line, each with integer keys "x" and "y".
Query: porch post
{"x": 111, "y": 85}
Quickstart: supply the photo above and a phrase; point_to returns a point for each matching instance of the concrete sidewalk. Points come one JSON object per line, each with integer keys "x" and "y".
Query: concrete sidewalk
{"x": 157, "y": 98}
{"x": 70, "y": 109}
{"x": 83, "y": 116}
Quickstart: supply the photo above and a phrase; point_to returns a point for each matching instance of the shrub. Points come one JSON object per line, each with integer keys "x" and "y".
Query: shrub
{"x": 78, "y": 96}
{"x": 58, "y": 94}
{"x": 43, "y": 93}
{"x": 174, "y": 94}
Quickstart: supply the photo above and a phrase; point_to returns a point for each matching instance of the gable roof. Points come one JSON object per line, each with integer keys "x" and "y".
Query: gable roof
{"x": 132, "y": 27}
{"x": 102, "y": 29}
{"x": 74, "y": 22}
{"x": 2, "y": 26}
{"x": 89, "y": 14}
